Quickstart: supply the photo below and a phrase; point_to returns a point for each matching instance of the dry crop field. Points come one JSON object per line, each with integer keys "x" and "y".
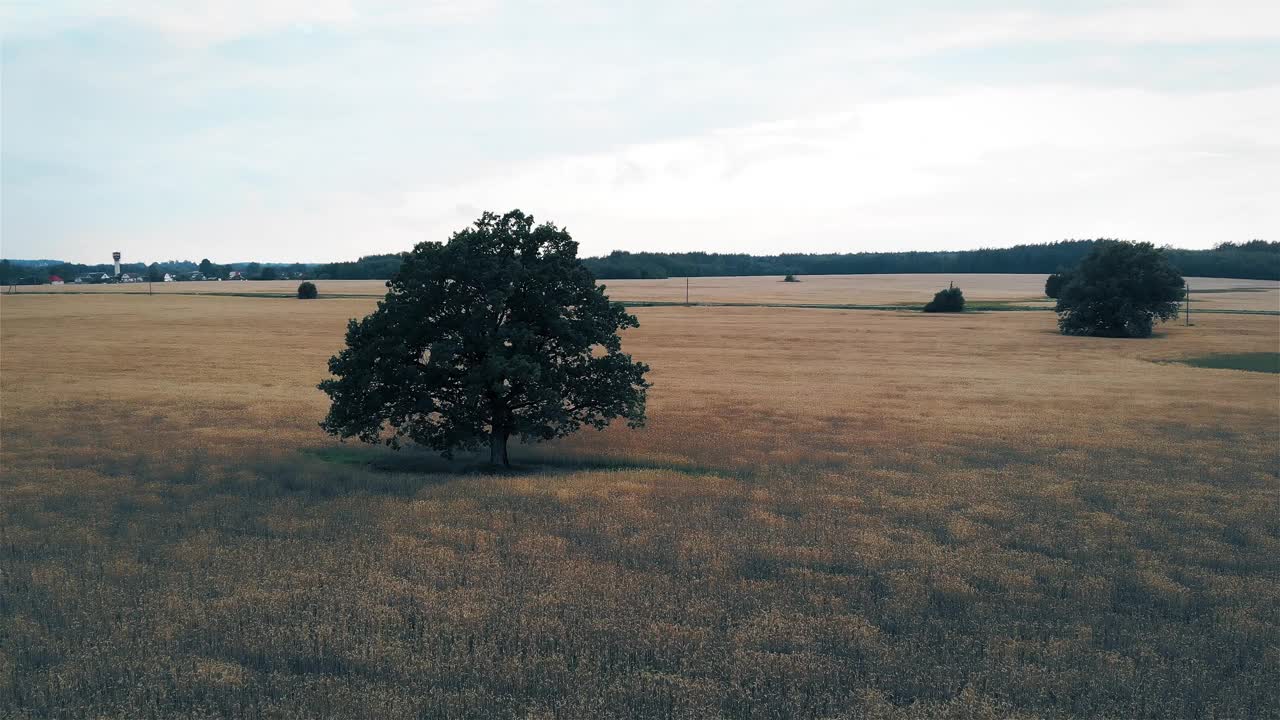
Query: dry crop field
{"x": 996, "y": 291}
{"x": 831, "y": 514}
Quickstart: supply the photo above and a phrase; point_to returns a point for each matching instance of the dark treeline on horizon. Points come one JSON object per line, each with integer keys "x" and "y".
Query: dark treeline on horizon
{"x": 369, "y": 267}
{"x": 1254, "y": 260}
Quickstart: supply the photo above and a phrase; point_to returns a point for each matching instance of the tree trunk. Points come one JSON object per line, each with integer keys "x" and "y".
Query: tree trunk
{"x": 498, "y": 447}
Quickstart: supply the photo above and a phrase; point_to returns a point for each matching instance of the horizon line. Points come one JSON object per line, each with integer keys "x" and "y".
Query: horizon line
{"x": 1167, "y": 246}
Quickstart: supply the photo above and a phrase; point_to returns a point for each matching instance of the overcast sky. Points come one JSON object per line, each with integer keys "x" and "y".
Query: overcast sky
{"x": 312, "y": 130}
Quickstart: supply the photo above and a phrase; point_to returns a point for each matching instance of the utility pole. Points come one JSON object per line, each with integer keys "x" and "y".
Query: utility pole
{"x": 1186, "y": 293}
{"x": 686, "y": 291}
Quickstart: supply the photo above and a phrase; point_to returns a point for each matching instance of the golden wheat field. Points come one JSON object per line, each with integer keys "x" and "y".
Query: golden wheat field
{"x": 913, "y": 290}
{"x": 830, "y": 514}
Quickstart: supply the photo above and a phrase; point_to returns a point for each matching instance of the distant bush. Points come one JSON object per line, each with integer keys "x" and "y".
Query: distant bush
{"x": 790, "y": 278}
{"x": 307, "y": 291}
{"x": 1053, "y": 285}
{"x": 949, "y": 300}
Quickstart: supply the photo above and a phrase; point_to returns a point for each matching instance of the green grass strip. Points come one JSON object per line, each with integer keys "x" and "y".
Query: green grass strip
{"x": 1267, "y": 362}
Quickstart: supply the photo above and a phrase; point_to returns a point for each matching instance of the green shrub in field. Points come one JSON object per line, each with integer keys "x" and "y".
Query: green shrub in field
{"x": 949, "y": 300}
{"x": 790, "y": 278}
{"x": 307, "y": 291}
{"x": 1253, "y": 362}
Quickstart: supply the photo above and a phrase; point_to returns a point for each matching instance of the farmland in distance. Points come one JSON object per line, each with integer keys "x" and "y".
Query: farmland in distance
{"x": 989, "y": 291}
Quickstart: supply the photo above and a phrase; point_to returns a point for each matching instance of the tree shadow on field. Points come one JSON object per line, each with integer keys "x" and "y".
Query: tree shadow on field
{"x": 310, "y": 475}
{"x": 1155, "y": 335}
{"x": 540, "y": 460}
{"x": 384, "y": 460}
{"x": 527, "y": 461}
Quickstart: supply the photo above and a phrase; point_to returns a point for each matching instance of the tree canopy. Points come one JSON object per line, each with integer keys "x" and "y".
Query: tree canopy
{"x": 1053, "y": 285}
{"x": 1119, "y": 289}
{"x": 499, "y": 332}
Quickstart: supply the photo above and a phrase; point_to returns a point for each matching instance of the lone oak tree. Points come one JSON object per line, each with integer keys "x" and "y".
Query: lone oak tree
{"x": 1118, "y": 290}
{"x": 499, "y": 332}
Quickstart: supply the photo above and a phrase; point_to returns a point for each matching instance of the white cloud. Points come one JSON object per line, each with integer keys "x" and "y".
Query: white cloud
{"x": 1163, "y": 23}
{"x": 995, "y": 167}
{"x": 1175, "y": 22}
{"x": 200, "y": 22}
{"x": 909, "y": 30}
{"x": 963, "y": 170}
{"x": 640, "y": 128}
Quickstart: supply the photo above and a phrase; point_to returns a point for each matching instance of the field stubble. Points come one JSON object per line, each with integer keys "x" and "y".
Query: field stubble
{"x": 1010, "y": 290}
{"x": 831, "y": 514}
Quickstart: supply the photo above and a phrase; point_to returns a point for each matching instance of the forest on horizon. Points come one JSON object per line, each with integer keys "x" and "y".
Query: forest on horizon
{"x": 1253, "y": 260}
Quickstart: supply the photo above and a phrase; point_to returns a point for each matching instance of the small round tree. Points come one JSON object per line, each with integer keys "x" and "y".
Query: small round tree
{"x": 1119, "y": 289}
{"x": 307, "y": 291}
{"x": 1053, "y": 284}
{"x": 949, "y": 300}
{"x": 790, "y": 278}
{"x": 501, "y": 331}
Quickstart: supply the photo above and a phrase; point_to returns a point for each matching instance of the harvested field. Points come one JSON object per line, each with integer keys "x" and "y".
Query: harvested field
{"x": 830, "y": 514}
{"x": 997, "y": 291}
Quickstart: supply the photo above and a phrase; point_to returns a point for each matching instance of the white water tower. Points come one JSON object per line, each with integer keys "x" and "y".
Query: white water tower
{"x": 116, "y": 257}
